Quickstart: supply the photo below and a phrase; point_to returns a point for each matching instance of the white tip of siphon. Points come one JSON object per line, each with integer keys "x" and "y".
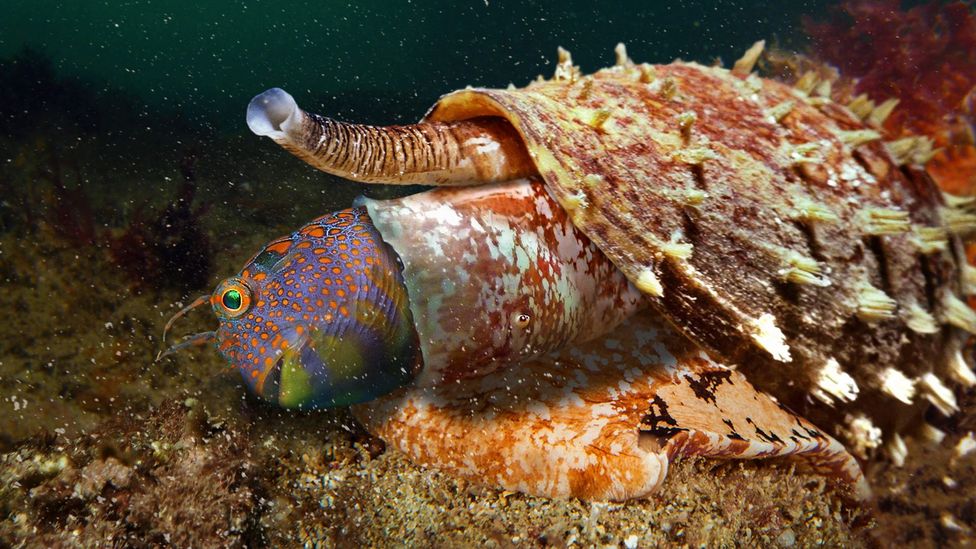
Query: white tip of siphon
{"x": 270, "y": 112}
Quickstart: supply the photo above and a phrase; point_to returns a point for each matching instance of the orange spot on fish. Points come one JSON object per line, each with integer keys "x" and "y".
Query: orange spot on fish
{"x": 314, "y": 231}
{"x": 279, "y": 247}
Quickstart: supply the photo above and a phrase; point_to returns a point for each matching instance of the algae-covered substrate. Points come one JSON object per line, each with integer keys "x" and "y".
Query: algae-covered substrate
{"x": 103, "y": 447}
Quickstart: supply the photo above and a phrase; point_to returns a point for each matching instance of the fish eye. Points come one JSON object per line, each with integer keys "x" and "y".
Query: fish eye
{"x": 231, "y": 299}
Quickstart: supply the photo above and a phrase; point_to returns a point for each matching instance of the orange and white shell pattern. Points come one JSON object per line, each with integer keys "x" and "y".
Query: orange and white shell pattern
{"x": 497, "y": 275}
{"x": 577, "y": 402}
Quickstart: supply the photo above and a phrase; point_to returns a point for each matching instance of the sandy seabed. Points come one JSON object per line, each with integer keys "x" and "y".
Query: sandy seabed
{"x": 99, "y": 446}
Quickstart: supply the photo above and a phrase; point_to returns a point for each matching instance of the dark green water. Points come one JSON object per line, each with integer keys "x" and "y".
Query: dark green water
{"x": 119, "y": 95}
{"x": 375, "y": 60}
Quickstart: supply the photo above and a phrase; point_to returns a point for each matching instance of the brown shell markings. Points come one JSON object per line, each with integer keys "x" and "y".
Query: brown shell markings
{"x": 771, "y": 225}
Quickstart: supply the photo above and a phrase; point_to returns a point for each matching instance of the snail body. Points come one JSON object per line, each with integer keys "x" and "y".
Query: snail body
{"x": 618, "y": 269}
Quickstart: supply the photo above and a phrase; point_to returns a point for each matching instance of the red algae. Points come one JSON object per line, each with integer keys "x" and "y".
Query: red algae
{"x": 923, "y": 56}
{"x": 170, "y": 248}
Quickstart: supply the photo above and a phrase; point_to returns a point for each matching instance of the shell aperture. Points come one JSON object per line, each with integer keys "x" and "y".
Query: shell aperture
{"x": 320, "y": 318}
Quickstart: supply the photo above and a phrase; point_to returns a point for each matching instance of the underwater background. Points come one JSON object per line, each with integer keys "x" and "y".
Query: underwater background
{"x": 130, "y": 185}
